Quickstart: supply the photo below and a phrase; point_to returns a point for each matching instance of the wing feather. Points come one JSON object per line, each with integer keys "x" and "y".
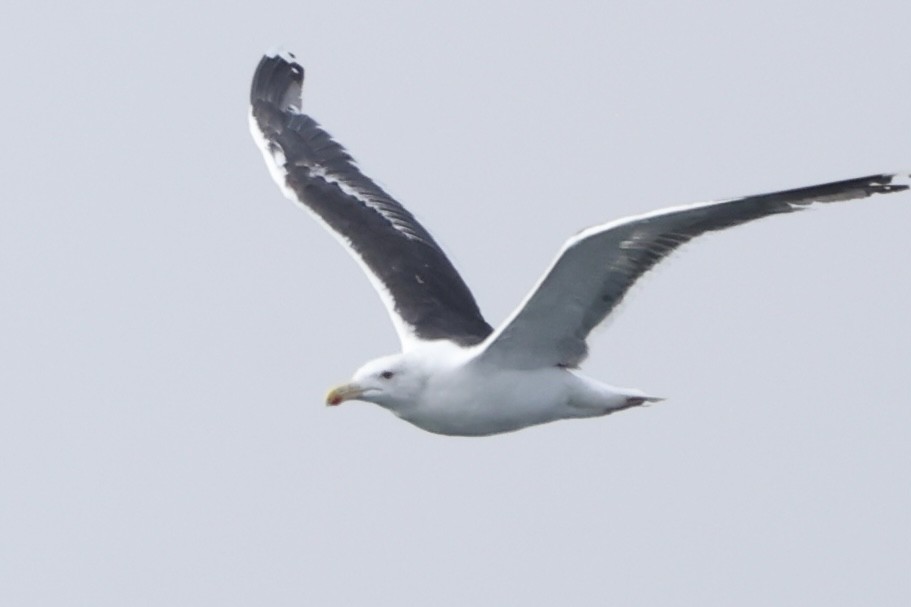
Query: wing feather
{"x": 596, "y": 268}
{"x": 424, "y": 294}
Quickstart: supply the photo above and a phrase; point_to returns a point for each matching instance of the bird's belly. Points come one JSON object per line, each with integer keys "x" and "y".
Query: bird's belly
{"x": 492, "y": 404}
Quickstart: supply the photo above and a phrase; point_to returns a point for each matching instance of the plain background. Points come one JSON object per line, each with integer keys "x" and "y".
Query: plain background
{"x": 169, "y": 323}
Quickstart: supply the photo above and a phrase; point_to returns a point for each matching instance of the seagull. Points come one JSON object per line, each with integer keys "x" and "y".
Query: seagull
{"x": 456, "y": 374}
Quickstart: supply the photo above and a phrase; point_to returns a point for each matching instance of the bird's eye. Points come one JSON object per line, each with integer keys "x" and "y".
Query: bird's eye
{"x": 387, "y": 374}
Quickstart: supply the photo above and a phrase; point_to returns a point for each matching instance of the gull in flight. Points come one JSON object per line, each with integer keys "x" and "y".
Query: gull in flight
{"x": 456, "y": 374}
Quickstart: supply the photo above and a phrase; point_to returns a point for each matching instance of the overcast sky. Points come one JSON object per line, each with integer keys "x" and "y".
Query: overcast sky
{"x": 169, "y": 324}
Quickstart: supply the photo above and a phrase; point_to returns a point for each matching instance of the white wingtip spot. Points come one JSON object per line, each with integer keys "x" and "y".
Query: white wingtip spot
{"x": 282, "y": 53}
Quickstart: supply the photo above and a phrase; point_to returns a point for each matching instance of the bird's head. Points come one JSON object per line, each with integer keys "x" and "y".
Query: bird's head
{"x": 389, "y": 382}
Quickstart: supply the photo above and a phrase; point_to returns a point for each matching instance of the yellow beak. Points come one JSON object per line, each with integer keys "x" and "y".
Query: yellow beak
{"x": 342, "y": 393}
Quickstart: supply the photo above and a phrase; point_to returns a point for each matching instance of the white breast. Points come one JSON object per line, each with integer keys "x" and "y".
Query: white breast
{"x": 467, "y": 401}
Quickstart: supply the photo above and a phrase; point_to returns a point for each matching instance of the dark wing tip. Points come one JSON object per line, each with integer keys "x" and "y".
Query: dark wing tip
{"x": 836, "y": 191}
{"x": 884, "y": 183}
{"x": 888, "y": 186}
{"x": 278, "y": 81}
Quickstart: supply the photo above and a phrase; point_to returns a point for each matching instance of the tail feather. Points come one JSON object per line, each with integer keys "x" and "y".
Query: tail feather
{"x": 636, "y": 401}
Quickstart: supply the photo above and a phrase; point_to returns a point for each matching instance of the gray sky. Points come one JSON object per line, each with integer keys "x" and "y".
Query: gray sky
{"x": 170, "y": 323}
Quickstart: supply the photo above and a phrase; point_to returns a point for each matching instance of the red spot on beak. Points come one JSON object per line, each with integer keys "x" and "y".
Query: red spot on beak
{"x": 342, "y": 393}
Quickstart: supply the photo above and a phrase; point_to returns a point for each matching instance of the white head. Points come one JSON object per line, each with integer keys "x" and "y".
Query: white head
{"x": 391, "y": 382}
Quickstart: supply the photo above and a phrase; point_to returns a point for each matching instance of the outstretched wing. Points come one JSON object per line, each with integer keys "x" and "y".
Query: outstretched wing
{"x": 596, "y": 268}
{"x": 424, "y": 294}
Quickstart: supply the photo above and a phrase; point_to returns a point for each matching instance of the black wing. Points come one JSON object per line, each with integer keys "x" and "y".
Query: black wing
{"x": 423, "y": 292}
{"x": 596, "y": 268}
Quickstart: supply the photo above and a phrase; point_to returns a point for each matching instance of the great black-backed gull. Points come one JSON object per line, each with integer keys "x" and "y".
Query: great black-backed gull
{"x": 456, "y": 374}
